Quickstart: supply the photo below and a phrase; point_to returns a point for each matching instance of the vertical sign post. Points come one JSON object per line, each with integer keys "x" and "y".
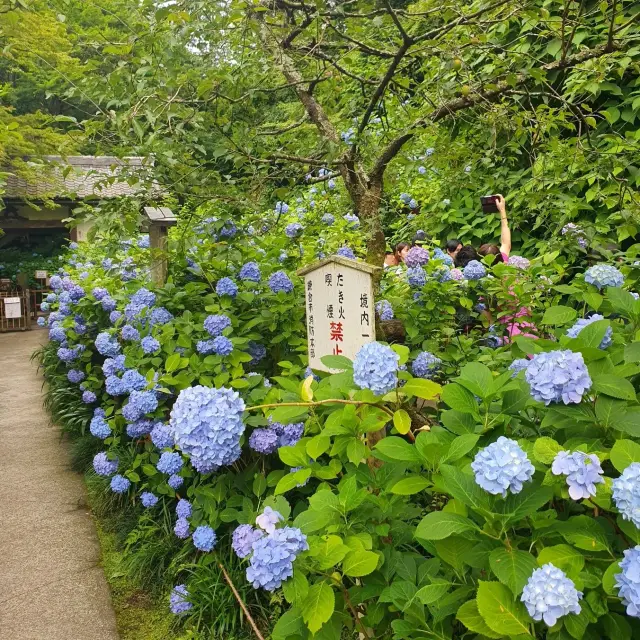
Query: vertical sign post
{"x": 340, "y": 308}
{"x": 159, "y": 221}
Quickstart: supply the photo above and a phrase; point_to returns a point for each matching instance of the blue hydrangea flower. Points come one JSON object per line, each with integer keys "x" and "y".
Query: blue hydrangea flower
{"x": 76, "y": 293}
{"x": 57, "y": 333}
{"x": 55, "y": 282}
{"x": 626, "y": 493}
{"x": 257, "y": 351}
{"x": 183, "y": 509}
{"x": 280, "y": 281}
{"x": 143, "y": 298}
{"x": 229, "y": 229}
{"x": 41, "y": 322}
{"x": 181, "y": 528}
{"x": 205, "y": 347}
{"x": 558, "y": 376}
{"x": 144, "y": 242}
{"x": 149, "y": 344}
{"x": 69, "y": 355}
{"x": 474, "y": 270}
{"x": 422, "y": 170}
{"x": 250, "y": 272}
{"x": 291, "y": 434}
{"x": 88, "y": 397}
{"x": 376, "y": 367}
{"x": 281, "y": 207}
{"x": 425, "y": 365}
{"x": 221, "y": 345}
{"x": 268, "y": 519}
{"x": 327, "y": 219}
{"x": 170, "y": 463}
{"x": 120, "y": 484}
{"x": 175, "y": 481}
{"x": 178, "y": 601}
{"x": 412, "y": 204}
{"x": 352, "y": 220}
{"x": 384, "y": 310}
{"x": 98, "y": 425}
{"x": 114, "y": 316}
{"x": 416, "y": 277}
{"x": 207, "y": 426}
{"x": 226, "y": 287}
{"x": 204, "y": 538}
{"x": 549, "y": 595}
{"x": 148, "y": 499}
{"x": 501, "y": 467}
{"x": 519, "y": 262}
{"x": 575, "y": 330}
{"x": 139, "y": 404}
{"x": 159, "y": 316}
{"x": 346, "y": 252}
{"x": 518, "y": 365}
{"x": 115, "y": 386}
{"x": 103, "y": 466}
{"x": 405, "y": 198}
{"x": 44, "y": 306}
{"x": 583, "y": 472}
{"x": 99, "y": 292}
{"x": 75, "y": 376}
{"x": 162, "y": 436}
{"x": 130, "y": 333}
{"x": 309, "y": 372}
{"x": 107, "y": 264}
{"x": 107, "y": 345}
{"x": 416, "y": 257}
{"x": 263, "y": 440}
{"x": 628, "y": 582}
{"x": 243, "y": 538}
{"x": 273, "y": 556}
{"x": 293, "y": 230}
{"x": 603, "y": 275}
{"x": 133, "y": 380}
{"x": 139, "y": 428}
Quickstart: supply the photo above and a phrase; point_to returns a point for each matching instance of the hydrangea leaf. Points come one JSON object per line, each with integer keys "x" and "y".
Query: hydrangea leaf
{"x": 545, "y": 450}
{"x": 426, "y": 389}
{"x": 453, "y": 551}
{"x": 500, "y": 611}
{"x": 614, "y": 386}
{"x": 592, "y": 335}
{"x": 460, "y": 447}
{"x": 360, "y": 563}
{"x": 463, "y": 487}
{"x": 512, "y": 567}
{"x": 459, "y": 422}
{"x": 616, "y": 627}
{"x": 438, "y": 525}
{"x": 289, "y": 624}
{"x": 624, "y": 453}
{"x": 402, "y": 421}
{"x": 608, "y": 579}
{"x": 583, "y": 532}
{"x": 470, "y": 617}
{"x": 410, "y": 486}
{"x": 432, "y": 592}
{"x": 318, "y": 606}
{"x": 397, "y": 449}
{"x": 459, "y": 398}
{"x": 476, "y": 377}
{"x": 562, "y": 556}
{"x": 559, "y": 315}
{"x": 329, "y": 551}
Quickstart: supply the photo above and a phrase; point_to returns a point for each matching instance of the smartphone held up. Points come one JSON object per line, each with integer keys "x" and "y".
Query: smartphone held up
{"x": 490, "y": 203}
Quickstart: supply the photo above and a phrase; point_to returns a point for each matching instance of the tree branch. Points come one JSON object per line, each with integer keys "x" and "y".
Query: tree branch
{"x": 612, "y": 25}
{"x": 277, "y": 132}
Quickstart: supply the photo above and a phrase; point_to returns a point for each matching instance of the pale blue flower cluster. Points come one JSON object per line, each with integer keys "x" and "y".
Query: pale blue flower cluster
{"x": 159, "y": 316}
{"x": 170, "y": 463}
{"x": 243, "y": 538}
{"x": 416, "y": 277}
{"x": 129, "y": 332}
{"x": 327, "y": 219}
{"x": 603, "y": 275}
{"x": 352, "y": 220}
{"x": 148, "y": 499}
{"x": 98, "y": 425}
{"x": 558, "y": 376}
{"x": 68, "y": 355}
{"x": 273, "y": 556}
{"x": 107, "y": 345}
{"x": 518, "y": 365}
{"x": 384, "y": 310}
{"x": 474, "y": 270}
{"x": 175, "y": 481}
{"x": 139, "y": 404}
{"x": 229, "y": 229}
{"x": 44, "y": 306}
{"x": 103, "y": 466}
{"x": 376, "y": 368}
{"x": 75, "y": 376}
{"x": 207, "y": 426}
{"x": 226, "y": 287}
{"x": 346, "y": 252}
{"x": 628, "y": 582}
{"x": 425, "y": 365}
{"x": 281, "y": 207}
{"x": 583, "y": 472}
{"x": 502, "y": 467}
{"x": 250, "y": 272}
{"x": 120, "y": 484}
{"x": 162, "y": 436}
{"x": 88, "y": 397}
{"x": 149, "y": 344}
{"x": 133, "y": 380}
{"x": 139, "y": 428}
{"x": 205, "y": 347}
{"x": 144, "y": 242}
{"x": 257, "y": 351}
{"x": 204, "y": 538}
{"x": 626, "y": 493}
{"x": 114, "y": 316}
{"x": 178, "y": 601}
{"x": 263, "y": 440}
{"x": 41, "y": 322}
{"x": 416, "y": 257}
{"x": 184, "y": 508}
{"x": 575, "y": 330}
{"x": 221, "y": 346}
{"x": 519, "y": 262}
{"x": 280, "y": 281}
{"x": 181, "y": 528}
{"x": 439, "y": 254}
{"x": 57, "y": 333}
{"x": 293, "y": 230}
{"x": 550, "y": 594}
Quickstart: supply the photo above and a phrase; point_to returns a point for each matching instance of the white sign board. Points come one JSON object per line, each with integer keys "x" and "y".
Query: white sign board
{"x": 12, "y": 308}
{"x": 340, "y": 308}
{"x": 41, "y": 275}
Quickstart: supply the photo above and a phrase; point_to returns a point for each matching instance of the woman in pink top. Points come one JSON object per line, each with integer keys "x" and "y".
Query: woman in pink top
{"x": 501, "y": 252}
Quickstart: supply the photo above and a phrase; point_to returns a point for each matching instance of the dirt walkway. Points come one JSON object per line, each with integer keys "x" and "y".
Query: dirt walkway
{"x": 52, "y": 586}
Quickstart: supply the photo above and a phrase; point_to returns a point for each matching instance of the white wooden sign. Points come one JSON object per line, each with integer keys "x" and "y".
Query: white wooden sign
{"x": 41, "y": 275}
{"x": 12, "y": 308}
{"x": 340, "y": 308}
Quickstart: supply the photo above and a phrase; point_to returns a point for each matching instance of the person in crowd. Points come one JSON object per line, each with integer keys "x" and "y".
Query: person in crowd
{"x": 397, "y": 257}
{"x": 452, "y": 247}
{"x": 501, "y": 252}
{"x": 465, "y": 255}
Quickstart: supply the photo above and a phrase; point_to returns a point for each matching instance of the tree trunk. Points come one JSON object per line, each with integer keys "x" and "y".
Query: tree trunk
{"x": 368, "y": 206}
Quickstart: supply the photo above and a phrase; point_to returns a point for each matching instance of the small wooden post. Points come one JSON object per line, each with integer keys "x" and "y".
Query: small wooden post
{"x": 159, "y": 221}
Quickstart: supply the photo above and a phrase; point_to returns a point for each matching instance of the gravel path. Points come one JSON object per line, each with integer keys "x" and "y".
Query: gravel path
{"x": 52, "y": 586}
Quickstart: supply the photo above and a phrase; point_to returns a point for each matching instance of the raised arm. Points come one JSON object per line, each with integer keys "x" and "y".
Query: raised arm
{"x": 505, "y": 232}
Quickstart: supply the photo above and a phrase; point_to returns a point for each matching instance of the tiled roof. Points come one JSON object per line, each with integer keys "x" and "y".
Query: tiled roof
{"x": 81, "y": 177}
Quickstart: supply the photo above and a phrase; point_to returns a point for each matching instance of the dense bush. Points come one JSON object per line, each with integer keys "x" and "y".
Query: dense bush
{"x": 470, "y": 481}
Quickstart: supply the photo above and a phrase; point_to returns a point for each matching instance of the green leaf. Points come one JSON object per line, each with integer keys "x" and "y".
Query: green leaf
{"x": 329, "y": 551}
{"x": 438, "y": 525}
{"x": 624, "y": 453}
{"x": 614, "y": 386}
{"x": 500, "y": 611}
{"x": 621, "y": 301}
{"x": 317, "y": 446}
{"x": 463, "y": 487}
{"x": 149, "y": 470}
{"x": 559, "y": 315}
{"x": 632, "y": 352}
{"x": 356, "y": 450}
{"x": 576, "y": 624}
{"x": 480, "y": 377}
{"x": 311, "y": 520}
{"x": 458, "y": 422}
{"x": 291, "y": 481}
{"x": 339, "y": 363}
{"x": 593, "y": 299}
{"x": 459, "y": 398}
{"x": 296, "y": 588}
{"x": 409, "y": 486}
{"x": 609, "y": 411}
{"x": 426, "y": 389}
{"x": 360, "y": 563}
{"x": 396, "y": 448}
{"x": 512, "y": 567}
{"x": 609, "y": 580}
{"x": 616, "y": 626}
{"x": 629, "y": 422}
{"x": 293, "y": 456}
{"x": 401, "y": 421}
{"x": 562, "y": 556}
{"x": 545, "y": 450}
{"x": 289, "y": 624}
{"x": 528, "y": 501}
{"x": 470, "y": 617}
{"x": 583, "y": 532}
{"x": 460, "y": 447}
{"x": 173, "y": 362}
{"x": 432, "y": 592}
{"x": 318, "y": 606}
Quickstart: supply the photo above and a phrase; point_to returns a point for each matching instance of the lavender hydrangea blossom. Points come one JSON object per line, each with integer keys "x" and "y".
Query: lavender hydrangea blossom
{"x": 549, "y": 595}
{"x": 257, "y": 352}
{"x": 575, "y": 330}
{"x": 250, "y": 272}
{"x": 148, "y": 499}
{"x": 226, "y": 287}
{"x": 346, "y": 252}
{"x": 128, "y": 332}
{"x": 425, "y": 365}
{"x": 583, "y": 472}
{"x": 103, "y": 466}
{"x": 518, "y": 365}
{"x": 139, "y": 404}
{"x": 243, "y": 538}
{"x": 175, "y": 481}
{"x": 280, "y": 281}
{"x": 75, "y": 376}
{"x": 416, "y": 277}
{"x": 263, "y": 440}
{"x": 181, "y": 528}
{"x": 99, "y": 426}
{"x": 204, "y": 538}
{"x": 89, "y": 397}
{"x": 519, "y": 262}
{"x": 502, "y": 467}
{"x": 558, "y": 376}
{"x": 170, "y": 463}
{"x": 293, "y": 230}
{"x": 120, "y": 484}
{"x": 603, "y": 275}
{"x": 184, "y": 509}
{"x": 474, "y": 270}
{"x": 376, "y": 368}
{"x": 178, "y": 601}
{"x": 107, "y": 345}
{"x": 628, "y": 582}
{"x": 268, "y": 519}
{"x": 139, "y": 428}
{"x": 162, "y": 436}
{"x": 384, "y": 310}
{"x": 133, "y": 380}
{"x": 159, "y": 316}
{"x": 626, "y": 493}
{"x": 327, "y": 219}
{"x": 149, "y": 344}
{"x": 221, "y": 346}
{"x": 352, "y": 220}
{"x": 416, "y": 257}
